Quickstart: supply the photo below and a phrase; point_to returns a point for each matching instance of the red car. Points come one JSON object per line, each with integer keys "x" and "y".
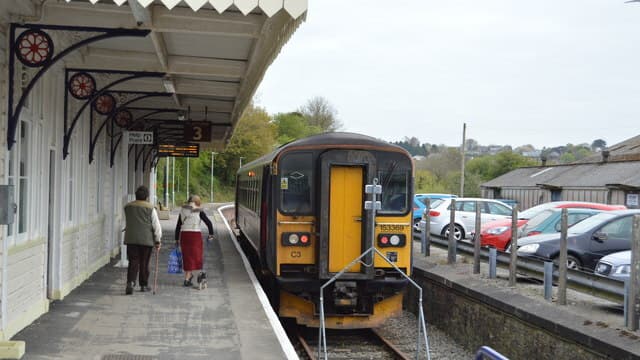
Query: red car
{"x": 498, "y": 233}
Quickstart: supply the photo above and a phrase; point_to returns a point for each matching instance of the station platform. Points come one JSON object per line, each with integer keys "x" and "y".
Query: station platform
{"x": 231, "y": 319}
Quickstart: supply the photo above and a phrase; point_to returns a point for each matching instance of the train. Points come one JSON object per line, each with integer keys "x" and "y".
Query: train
{"x": 301, "y": 211}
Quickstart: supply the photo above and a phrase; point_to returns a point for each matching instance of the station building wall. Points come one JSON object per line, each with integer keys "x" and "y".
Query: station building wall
{"x": 70, "y": 212}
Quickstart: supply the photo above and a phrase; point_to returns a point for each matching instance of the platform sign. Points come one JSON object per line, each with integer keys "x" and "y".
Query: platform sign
{"x": 199, "y": 131}
{"x": 178, "y": 150}
{"x": 140, "y": 137}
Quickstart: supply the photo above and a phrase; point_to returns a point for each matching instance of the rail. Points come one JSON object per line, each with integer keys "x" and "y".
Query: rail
{"x": 592, "y": 284}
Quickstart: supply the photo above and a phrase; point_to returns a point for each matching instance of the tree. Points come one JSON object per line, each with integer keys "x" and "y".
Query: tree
{"x": 318, "y": 112}
{"x": 598, "y": 145}
{"x": 292, "y": 126}
{"x": 253, "y": 137}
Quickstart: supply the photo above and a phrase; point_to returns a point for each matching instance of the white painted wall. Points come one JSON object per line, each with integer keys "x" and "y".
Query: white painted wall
{"x": 87, "y": 213}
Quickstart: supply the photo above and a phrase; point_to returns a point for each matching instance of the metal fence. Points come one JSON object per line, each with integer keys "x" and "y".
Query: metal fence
{"x": 582, "y": 281}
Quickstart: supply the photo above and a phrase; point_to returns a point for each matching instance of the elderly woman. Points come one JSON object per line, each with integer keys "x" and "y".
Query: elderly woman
{"x": 189, "y": 237}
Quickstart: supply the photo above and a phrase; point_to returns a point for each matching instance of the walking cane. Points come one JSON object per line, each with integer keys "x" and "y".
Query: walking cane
{"x": 155, "y": 277}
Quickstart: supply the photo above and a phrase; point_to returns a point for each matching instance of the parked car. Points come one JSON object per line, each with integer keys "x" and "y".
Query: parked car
{"x": 550, "y": 220}
{"x": 587, "y": 241}
{"x": 616, "y": 266}
{"x": 465, "y": 217}
{"x": 498, "y": 233}
{"x": 419, "y": 204}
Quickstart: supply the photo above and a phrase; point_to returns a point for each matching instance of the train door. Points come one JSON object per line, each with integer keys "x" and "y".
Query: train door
{"x": 343, "y": 223}
{"x": 345, "y": 216}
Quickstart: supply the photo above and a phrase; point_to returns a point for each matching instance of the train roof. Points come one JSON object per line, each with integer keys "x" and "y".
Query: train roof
{"x": 353, "y": 140}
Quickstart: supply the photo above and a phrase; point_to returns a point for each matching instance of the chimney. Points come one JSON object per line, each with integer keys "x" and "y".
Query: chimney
{"x": 543, "y": 159}
{"x": 605, "y": 156}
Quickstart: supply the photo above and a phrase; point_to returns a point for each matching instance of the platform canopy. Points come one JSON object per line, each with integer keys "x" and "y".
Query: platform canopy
{"x": 211, "y": 54}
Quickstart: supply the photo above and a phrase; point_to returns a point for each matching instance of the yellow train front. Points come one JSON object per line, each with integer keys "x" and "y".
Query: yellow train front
{"x": 301, "y": 208}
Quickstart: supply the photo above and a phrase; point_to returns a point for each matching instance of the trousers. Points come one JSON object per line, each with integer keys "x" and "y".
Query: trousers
{"x": 138, "y": 256}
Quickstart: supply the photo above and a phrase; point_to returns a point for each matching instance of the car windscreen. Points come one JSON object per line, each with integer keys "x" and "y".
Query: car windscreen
{"x": 531, "y": 212}
{"x": 433, "y": 203}
{"x": 589, "y": 223}
{"x": 538, "y": 219}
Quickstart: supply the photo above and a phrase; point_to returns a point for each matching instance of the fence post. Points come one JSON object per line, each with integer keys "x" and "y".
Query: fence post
{"x": 476, "y": 241}
{"x": 633, "y": 308}
{"x": 514, "y": 246}
{"x": 493, "y": 255}
{"x": 626, "y": 303}
{"x": 425, "y": 243}
{"x": 451, "y": 258}
{"x": 548, "y": 279}
{"x": 562, "y": 261}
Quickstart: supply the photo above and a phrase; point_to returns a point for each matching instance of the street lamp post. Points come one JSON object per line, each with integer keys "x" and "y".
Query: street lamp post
{"x": 188, "y": 178}
{"x": 213, "y": 154}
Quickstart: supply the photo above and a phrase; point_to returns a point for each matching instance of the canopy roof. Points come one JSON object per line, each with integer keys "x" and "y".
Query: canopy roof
{"x": 211, "y": 55}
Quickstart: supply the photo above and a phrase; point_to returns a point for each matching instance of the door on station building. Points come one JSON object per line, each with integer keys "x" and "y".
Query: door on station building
{"x": 345, "y": 216}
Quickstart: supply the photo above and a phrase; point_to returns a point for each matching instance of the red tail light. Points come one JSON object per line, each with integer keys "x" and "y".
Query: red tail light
{"x": 531, "y": 233}
{"x": 434, "y": 213}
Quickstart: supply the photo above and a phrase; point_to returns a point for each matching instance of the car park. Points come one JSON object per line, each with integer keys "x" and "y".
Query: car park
{"x": 465, "y": 215}
{"x": 498, "y": 233}
{"x": 587, "y": 241}
{"x": 616, "y": 266}
{"x": 419, "y": 203}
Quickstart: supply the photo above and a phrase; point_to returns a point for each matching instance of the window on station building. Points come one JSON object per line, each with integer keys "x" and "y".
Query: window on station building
{"x": 18, "y": 175}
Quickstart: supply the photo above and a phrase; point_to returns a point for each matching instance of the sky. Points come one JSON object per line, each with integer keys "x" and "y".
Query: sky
{"x": 543, "y": 72}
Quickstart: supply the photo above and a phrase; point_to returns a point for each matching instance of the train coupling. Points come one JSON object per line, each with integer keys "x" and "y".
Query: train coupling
{"x": 345, "y": 294}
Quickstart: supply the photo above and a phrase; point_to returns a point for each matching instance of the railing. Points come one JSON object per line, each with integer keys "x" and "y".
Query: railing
{"x": 589, "y": 283}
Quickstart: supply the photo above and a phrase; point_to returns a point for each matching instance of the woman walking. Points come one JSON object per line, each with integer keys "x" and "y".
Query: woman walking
{"x": 189, "y": 237}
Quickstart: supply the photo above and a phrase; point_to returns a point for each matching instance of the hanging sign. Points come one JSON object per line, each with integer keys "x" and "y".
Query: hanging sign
{"x": 199, "y": 131}
{"x": 183, "y": 150}
{"x": 141, "y": 137}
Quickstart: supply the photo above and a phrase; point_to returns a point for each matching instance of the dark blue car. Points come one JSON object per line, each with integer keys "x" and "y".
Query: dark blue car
{"x": 588, "y": 241}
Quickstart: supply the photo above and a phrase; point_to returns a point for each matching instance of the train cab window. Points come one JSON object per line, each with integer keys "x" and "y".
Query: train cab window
{"x": 394, "y": 191}
{"x": 295, "y": 183}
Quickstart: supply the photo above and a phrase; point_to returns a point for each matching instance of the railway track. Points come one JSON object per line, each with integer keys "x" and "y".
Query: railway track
{"x": 347, "y": 344}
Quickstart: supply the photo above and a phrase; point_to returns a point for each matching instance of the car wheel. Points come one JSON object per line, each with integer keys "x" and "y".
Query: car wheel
{"x": 458, "y": 232}
{"x": 572, "y": 262}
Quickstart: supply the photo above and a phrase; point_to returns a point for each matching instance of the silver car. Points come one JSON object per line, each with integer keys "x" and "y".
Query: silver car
{"x": 616, "y": 266}
{"x": 465, "y": 217}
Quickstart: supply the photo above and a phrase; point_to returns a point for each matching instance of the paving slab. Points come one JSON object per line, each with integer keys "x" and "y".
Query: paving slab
{"x": 98, "y": 321}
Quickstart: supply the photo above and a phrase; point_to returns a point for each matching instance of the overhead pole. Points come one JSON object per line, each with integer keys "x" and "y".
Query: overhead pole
{"x": 464, "y": 135}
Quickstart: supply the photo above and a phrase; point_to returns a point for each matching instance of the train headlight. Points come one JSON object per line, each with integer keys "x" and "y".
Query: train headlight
{"x": 296, "y": 239}
{"x": 391, "y": 240}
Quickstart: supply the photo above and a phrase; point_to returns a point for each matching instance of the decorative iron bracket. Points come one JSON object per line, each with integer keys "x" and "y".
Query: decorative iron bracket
{"x": 34, "y": 48}
{"x": 110, "y": 117}
{"x": 93, "y": 95}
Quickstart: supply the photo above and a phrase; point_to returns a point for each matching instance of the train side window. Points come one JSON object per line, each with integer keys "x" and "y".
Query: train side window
{"x": 394, "y": 191}
{"x": 295, "y": 183}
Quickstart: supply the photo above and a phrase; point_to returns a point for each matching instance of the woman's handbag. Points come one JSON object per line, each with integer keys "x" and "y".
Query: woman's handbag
{"x": 175, "y": 262}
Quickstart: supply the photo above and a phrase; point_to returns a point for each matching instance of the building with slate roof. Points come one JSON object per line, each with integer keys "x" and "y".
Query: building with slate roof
{"x": 611, "y": 177}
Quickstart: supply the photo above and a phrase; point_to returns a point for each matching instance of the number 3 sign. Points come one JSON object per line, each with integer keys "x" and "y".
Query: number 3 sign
{"x": 199, "y": 131}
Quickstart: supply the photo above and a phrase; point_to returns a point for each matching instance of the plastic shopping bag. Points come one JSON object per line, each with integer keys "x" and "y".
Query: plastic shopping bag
{"x": 175, "y": 262}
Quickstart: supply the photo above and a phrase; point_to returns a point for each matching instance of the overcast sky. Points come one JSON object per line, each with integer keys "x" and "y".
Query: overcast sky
{"x": 543, "y": 72}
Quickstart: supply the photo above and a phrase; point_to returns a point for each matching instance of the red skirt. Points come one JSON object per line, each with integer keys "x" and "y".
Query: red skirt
{"x": 191, "y": 244}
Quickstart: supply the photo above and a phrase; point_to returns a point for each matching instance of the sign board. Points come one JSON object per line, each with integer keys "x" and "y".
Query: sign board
{"x": 632, "y": 201}
{"x": 141, "y": 137}
{"x": 179, "y": 150}
{"x": 199, "y": 131}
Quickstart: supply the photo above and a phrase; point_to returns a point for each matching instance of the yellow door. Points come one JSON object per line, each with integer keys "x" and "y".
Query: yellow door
{"x": 345, "y": 217}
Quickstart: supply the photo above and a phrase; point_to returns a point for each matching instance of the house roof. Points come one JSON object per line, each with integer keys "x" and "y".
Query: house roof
{"x": 623, "y": 173}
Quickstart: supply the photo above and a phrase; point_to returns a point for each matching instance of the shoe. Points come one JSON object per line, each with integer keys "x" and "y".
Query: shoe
{"x": 144, "y": 288}
{"x": 189, "y": 282}
{"x": 129, "y": 289}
